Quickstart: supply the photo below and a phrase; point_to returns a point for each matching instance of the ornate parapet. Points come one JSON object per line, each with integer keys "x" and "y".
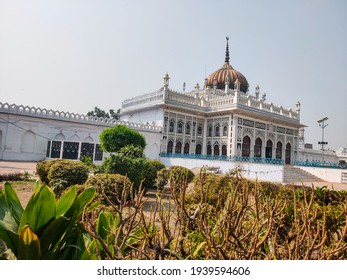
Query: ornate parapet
{"x": 253, "y": 102}
{"x": 72, "y": 117}
{"x": 143, "y": 100}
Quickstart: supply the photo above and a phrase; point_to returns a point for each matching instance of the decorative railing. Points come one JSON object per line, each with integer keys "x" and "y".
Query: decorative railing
{"x": 66, "y": 116}
{"x": 307, "y": 163}
{"x": 226, "y": 158}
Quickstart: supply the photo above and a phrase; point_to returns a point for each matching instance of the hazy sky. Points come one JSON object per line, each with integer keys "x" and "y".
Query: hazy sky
{"x": 72, "y": 55}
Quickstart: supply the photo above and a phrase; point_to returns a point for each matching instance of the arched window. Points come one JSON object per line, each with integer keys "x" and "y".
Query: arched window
{"x": 224, "y": 150}
{"x": 188, "y": 129}
{"x": 210, "y": 131}
{"x": 216, "y": 150}
{"x": 279, "y": 150}
{"x": 199, "y": 130}
{"x": 288, "y": 153}
{"x": 209, "y": 150}
{"x": 171, "y": 126}
{"x": 258, "y": 147}
{"x": 186, "y": 148}
{"x": 179, "y": 127}
{"x": 170, "y": 147}
{"x": 217, "y": 132}
{"x": 178, "y": 148}
{"x": 268, "y": 149}
{"x": 225, "y": 131}
{"x": 246, "y": 146}
{"x": 198, "y": 149}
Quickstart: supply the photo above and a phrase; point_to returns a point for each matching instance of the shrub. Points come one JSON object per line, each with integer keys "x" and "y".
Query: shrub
{"x": 138, "y": 170}
{"x": 153, "y": 167}
{"x": 120, "y": 136}
{"x": 42, "y": 169}
{"x": 207, "y": 186}
{"x": 111, "y": 185}
{"x": 67, "y": 173}
{"x": 16, "y": 176}
{"x": 177, "y": 175}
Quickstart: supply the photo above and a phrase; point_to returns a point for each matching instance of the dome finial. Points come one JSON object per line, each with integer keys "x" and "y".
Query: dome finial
{"x": 227, "y": 58}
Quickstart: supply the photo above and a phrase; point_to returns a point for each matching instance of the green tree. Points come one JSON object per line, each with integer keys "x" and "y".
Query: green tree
{"x": 112, "y": 140}
{"x": 97, "y": 112}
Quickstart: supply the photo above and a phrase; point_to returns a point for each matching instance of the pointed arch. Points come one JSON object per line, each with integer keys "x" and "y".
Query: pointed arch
{"x": 258, "y": 147}
{"x": 178, "y": 148}
{"x": 288, "y": 152}
{"x": 279, "y": 146}
{"x": 224, "y": 150}
{"x": 186, "y": 148}
{"x": 268, "y": 149}
{"x": 198, "y": 149}
{"x": 169, "y": 147}
{"x": 246, "y": 146}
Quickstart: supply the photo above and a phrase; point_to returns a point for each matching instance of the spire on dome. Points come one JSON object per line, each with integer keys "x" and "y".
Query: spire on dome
{"x": 227, "y": 58}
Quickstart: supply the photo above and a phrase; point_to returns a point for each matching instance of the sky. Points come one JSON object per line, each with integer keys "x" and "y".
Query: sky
{"x": 73, "y": 55}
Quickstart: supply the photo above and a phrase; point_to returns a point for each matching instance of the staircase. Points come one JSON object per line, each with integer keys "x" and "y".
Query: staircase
{"x": 293, "y": 174}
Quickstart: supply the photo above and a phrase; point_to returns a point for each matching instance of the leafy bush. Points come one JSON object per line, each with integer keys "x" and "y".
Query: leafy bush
{"x": 16, "y": 176}
{"x": 42, "y": 169}
{"x": 120, "y": 136}
{"x": 66, "y": 173}
{"x": 162, "y": 178}
{"x": 111, "y": 185}
{"x": 176, "y": 175}
{"x": 138, "y": 170}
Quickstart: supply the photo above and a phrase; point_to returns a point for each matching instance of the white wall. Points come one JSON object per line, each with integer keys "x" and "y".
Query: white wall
{"x": 326, "y": 174}
{"x": 263, "y": 172}
{"x": 149, "y": 116}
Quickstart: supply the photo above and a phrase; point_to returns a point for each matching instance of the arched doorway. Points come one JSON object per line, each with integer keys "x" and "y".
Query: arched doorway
{"x": 209, "y": 150}
{"x": 258, "y": 147}
{"x": 279, "y": 150}
{"x": 186, "y": 148}
{"x": 288, "y": 153}
{"x": 246, "y": 146}
{"x": 170, "y": 147}
{"x": 216, "y": 150}
{"x": 224, "y": 150}
{"x": 178, "y": 148}
{"x": 268, "y": 149}
{"x": 198, "y": 149}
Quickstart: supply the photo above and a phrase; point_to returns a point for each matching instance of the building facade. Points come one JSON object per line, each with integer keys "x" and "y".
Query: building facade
{"x": 222, "y": 119}
{"x": 35, "y": 134}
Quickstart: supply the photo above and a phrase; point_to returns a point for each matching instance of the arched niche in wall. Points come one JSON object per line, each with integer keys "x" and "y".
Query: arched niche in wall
{"x": 28, "y": 142}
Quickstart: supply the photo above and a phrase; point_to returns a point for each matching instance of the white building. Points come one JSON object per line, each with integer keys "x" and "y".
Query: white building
{"x": 220, "y": 120}
{"x": 220, "y": 123}
{"x": 35, "y": 134}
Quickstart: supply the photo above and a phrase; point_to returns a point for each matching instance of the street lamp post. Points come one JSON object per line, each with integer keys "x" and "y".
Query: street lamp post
{"x": 323, "y": 125}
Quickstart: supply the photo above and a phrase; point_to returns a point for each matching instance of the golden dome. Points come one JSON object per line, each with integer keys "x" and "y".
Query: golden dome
{"x": 227, "y": 74}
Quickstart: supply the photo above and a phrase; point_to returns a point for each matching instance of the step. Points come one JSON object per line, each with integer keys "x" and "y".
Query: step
{"x": 293, "y": 174}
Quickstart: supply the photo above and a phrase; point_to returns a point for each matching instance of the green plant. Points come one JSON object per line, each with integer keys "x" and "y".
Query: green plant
{"x": 67, "y": 173}
{"x": 47, "y": 228}
{"x": 140, "y": 171}
{"x": 109, "y": 185}
{"x": 42, "y": 169}
{"x": 120, "y": 136}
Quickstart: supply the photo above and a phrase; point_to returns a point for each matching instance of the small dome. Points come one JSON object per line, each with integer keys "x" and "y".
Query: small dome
{"x": 227, "y": 74}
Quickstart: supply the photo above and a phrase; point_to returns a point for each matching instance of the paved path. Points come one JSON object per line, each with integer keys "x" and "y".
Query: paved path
{"x": 21, "y": 166}
{"x": 17, "y": 166}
